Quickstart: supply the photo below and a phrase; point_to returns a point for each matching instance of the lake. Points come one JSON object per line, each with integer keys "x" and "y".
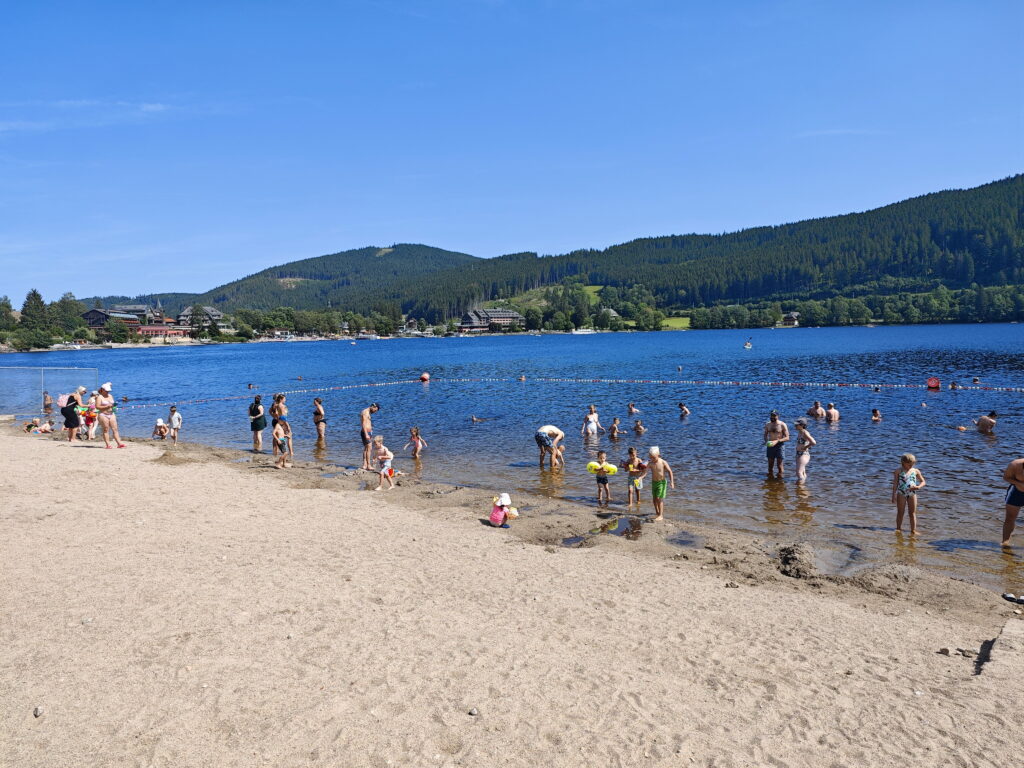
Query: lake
{"x": 717, "y": 452}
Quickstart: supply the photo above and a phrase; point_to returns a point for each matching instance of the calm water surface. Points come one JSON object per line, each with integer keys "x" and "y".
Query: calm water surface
{"x": 716, "y": 452}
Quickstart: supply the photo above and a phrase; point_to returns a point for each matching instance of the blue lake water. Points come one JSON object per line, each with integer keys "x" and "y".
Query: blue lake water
{"x": 716, "y": 452}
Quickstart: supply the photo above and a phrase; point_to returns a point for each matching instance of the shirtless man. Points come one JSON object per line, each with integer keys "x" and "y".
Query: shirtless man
{"x": 658, "y": 468}
{"x": 986, "y": 424}
{"x": 816, "y": 411}
{"x": 547, "y": 438}
{"x": 366, "y": 433}
{"x": 1014, "y": 475}
{"x": 831, "y": 414}
{"x": 776, "y": 434}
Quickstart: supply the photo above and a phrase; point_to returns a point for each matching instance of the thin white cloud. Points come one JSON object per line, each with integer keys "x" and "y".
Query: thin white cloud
{"x": 12, "y": 126}
{"x": 62, "y": 114}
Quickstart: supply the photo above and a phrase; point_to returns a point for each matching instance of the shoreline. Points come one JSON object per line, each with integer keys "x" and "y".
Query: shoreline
{"x": 191, "y": 609}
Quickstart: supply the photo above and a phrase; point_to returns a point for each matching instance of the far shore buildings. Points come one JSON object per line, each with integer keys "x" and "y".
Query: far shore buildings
{"x": 211, "y": 319}
{"x": 98, "y": 318}
{"x": 480, "y": 320}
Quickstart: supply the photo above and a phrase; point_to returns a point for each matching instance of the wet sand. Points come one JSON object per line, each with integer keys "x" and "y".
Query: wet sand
{"x": 196, "y": 606}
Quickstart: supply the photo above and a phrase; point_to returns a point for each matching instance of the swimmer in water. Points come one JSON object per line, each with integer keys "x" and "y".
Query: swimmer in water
{"x": 683, "y": 410}
{"x": 639, "y": 427}
{"x": 876, "y": 415}
{"x": 615, "y": 430}
{"x": 632, "y": 410}
{"x": 986, "y": 424}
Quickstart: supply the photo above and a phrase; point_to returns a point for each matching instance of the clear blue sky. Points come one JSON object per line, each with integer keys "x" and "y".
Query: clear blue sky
{"x": 158, "y": 146}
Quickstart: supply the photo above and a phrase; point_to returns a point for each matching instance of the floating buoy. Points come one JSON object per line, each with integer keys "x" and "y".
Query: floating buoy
{"x": 424, "y": 377}
{"x": 934, "y": 383}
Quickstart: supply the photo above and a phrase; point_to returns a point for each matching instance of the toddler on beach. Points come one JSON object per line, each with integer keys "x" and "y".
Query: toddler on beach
{"x": 906, "y": 482}
{"x": 503, "y": 511}
{"x": 384, "y": 459}
{"x": 160, "y": 430}
{"x": 637, "y": 472}
{"x": 279, "y": 437}
{"x": 659, "y": 468}
{"x": 602, "y": 473}
{"x": 417, "y": 442}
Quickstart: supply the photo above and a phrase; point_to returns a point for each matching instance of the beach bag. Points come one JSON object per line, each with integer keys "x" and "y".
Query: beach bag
{"x": 62, "y": 401}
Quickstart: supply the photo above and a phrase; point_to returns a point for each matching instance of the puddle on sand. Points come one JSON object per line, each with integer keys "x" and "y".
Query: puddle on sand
{"x": 683, "y": 539}
{"x": 952, "y": 545}
{"x": 628, "y": 528}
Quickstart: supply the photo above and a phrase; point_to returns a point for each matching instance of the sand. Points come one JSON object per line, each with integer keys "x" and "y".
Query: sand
{"x": 172, "y": 608}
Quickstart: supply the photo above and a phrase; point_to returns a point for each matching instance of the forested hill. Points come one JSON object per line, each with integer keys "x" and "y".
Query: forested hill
{"x": 954, "y": 238}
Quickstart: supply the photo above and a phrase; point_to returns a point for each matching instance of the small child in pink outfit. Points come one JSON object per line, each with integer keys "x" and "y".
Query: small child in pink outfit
{"x": 502, "y": 512}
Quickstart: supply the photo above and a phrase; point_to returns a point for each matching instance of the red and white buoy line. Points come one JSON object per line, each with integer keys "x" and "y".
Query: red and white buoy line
{"x": 556, "y": 380}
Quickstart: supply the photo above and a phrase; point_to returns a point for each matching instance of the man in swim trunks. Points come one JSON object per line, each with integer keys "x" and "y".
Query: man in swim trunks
{"x": 831, "y": 413}
{"x": 986, "y": 424}
{"x": 547, "y": 438}
{"x": 816, "y": 411}
{"x": 366, "y": 433}
{"x": 776, "y": 434}
{"x": 1014, "y": 475}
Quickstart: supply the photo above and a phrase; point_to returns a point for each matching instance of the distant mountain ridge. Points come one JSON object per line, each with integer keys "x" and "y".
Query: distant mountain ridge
{"x": 954, "y": 238}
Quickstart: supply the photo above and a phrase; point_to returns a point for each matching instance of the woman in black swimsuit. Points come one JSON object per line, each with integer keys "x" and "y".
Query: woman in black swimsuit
{"x": 257, "y": 423}
{"x": 319, "y": 418}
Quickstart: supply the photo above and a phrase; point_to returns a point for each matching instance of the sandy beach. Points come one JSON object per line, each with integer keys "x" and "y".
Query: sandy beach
{"x": 197, "y": 608}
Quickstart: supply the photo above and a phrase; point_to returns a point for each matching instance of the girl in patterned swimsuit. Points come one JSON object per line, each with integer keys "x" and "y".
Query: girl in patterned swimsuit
{"x": 906, "y": 482}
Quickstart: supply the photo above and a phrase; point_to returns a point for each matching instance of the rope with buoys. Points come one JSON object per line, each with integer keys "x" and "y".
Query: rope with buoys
{"x": 929, "y": 385}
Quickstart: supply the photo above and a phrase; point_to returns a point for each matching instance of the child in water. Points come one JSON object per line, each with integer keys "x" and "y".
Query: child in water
{"x": 876, "y": 415}
{"x": 615, "y": 430}
{"x": 384, "y": 459}
{"x": 639, "y": 427}
{"x": 637, "y": 472}
{"x": 906, "y": 482}
{"x": 602, "y": 477}
{"x": 502, "y": 511}
{"x": 417, "y": 442}
{"x": 279, "y": 437}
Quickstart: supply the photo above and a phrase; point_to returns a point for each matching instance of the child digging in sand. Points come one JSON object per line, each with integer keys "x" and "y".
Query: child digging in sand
{"x": 906, "y": 482}
{"x": 384, "y": 459}
{"x": 659, "y": 468}
{"x": 503, "y": 511}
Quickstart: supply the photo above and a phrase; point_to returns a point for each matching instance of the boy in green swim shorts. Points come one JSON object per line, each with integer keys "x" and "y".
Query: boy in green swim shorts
{"x": 659, "y": 468}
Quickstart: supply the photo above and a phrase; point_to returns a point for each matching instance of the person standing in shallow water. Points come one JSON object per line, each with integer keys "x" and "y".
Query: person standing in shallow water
{"x": 1014, "y": 475}
{"x": 804, "y": 443}
{"x": 776, "y": 434}
{"x": 257, "y": 423}
{"x": 366, "y": 433}
{"x": 319, "y": 418}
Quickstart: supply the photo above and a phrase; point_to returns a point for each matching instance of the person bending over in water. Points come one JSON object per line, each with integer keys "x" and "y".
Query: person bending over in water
{"x": 659, "y": 469}
{"x": 548, "y": 438}
{"x": 1014, "y": 475}
{"x": 804, "y": 443}
{"x": 416, "y": 441}
{"x": 906, "y": 482}
{"x": 384, "y": 458}
{"x": 776, "y": 435}
{"x": 816, "y": 411}
{"x": 366, "y": 433}
{"x": 639, "y": 427}
{"x": 986, "y": 424}
{"x": 876, "y": 415}
{"x": 683, "y": 410}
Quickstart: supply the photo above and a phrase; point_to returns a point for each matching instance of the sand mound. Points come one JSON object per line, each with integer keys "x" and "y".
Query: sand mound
{"x": 172, "y": 459}
{"x": 797, "y": 561}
